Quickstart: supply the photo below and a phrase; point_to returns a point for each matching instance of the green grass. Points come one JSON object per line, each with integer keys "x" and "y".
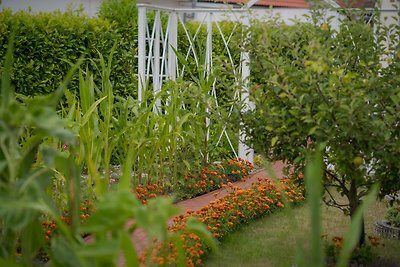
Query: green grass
{"x": 275, "y": 240}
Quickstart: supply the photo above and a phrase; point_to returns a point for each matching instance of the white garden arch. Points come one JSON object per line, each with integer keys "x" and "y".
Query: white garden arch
{"x": 158, "y": 62}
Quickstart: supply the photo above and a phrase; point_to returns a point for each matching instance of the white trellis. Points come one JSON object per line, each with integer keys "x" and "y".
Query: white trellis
{"x": 157, "y": 60}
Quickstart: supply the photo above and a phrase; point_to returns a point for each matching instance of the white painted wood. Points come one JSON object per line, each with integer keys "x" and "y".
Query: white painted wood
{"x": 244, "y": 151}
{"x": 142, "y": 25}
{"x": 172, "y": 44}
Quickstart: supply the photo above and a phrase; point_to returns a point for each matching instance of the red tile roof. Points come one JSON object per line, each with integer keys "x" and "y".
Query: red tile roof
{"x": 273, "y": 3}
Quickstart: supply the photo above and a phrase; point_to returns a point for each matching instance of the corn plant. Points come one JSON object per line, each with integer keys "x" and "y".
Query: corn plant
{"x": 91, "y": 117}
{"x": 165, "y": 142}
{"x": 27, "y": 165}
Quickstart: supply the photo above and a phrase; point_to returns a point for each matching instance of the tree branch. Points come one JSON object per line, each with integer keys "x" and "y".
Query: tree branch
{"x": 333, "y": 202}
{"x": 341, "y": 182}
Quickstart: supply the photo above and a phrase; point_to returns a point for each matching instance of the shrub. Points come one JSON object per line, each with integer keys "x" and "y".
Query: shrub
{"x": 148, "y": 191}
{"x": 393, "y": 216}
{"x": 361, "y": 256}
{"x": 46, "y": 44}
{"x": 320, "y": 85}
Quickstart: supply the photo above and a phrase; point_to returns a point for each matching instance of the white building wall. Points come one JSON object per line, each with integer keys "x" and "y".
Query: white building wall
{"x": 390, "y": 9}
{"x": 287, "y": 14}
{"x": 167, "y": 3}
{"x": 90, "y": 6}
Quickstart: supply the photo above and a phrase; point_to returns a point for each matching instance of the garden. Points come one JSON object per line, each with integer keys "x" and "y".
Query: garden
{"x": 84, "y": 164}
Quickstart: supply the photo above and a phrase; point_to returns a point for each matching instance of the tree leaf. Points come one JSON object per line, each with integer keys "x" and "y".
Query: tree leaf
{"x": 274, "y": 140}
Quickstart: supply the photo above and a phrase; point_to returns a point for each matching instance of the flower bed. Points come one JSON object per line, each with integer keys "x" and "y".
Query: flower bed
{"x": 226, "y": 214}
{"x": 220, "y": 216}
{"x": 214, "y": 176}
{"x": 209, "y": 179}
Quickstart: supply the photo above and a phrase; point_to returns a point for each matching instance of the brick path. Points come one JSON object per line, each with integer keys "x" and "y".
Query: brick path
{"x": 139, "y": 239}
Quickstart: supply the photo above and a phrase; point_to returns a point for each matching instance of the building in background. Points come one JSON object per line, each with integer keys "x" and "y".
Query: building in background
{"x": 288, "y": 10}
{"x": 90, "y": 7}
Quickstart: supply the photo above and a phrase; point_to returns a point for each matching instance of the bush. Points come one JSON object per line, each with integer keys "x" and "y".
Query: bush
{"x": 393, "y": 216}
{"x": 319, "y": 85}
{"x": 361, "y": 256}
{"x": 46, "y": 44}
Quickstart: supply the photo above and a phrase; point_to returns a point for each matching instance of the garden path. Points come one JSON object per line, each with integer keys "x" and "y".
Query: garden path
{"x": 139, "y": 238}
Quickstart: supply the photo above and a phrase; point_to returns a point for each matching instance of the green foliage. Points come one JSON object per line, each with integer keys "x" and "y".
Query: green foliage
{"x": 364, "y": 255}
{"x": 224, "y": 77}
{"x": 393, "y": 216}
{"x": 121, "y": 12}
{"x": 23, "y": 182}
{"x": 166, "y": 138}
{"x": 46, "y": 43}
{"x": 313, "y": 174}
{"x": 315, "y": 84}
{"x": 28, "y": 162}
{"x": 344, "y": 249}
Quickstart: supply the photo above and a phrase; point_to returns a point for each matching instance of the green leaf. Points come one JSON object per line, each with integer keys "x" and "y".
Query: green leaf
{"x": 63, "y": 253}
{"x": 28, "y": 159}
{"x": 129, "y": 251}
{"x": 9, "y": 263}
{"x": 100, "y": 249}
{"x": 312, "y": 130}
{"x": 45, "y": 119}
{"x": 268, "y": 128}
{"x": 90, "y": 111}
{"x": 274, "y": 140}
{"x": 6, "y": 90}
{"x": 112, "y": 212}
{"x": 313, "y": 174}
{"x": 31, "y": 240}
{"x": 153, "y": 218}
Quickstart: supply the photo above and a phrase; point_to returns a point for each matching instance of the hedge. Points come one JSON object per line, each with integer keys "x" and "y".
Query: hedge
{"x": 46, "y": 44}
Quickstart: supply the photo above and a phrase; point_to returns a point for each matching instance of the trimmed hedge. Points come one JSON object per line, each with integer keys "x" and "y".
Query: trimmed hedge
{"x": 46, "y": 44}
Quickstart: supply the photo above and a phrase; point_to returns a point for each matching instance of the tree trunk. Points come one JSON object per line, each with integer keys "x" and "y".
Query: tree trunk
{"x": 354, "y": 202}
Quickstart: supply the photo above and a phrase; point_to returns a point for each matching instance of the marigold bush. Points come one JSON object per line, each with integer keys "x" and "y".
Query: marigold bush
{"x": 208, "y": 179}
{"x": 226, "y": 214}
{"x": 49, "y": 226}
{"x": 148, "y": 191}
{"x": 214, "y": 177}
{"x": 361, "y": 256}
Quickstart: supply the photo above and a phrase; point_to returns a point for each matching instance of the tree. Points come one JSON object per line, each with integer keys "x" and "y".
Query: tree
{"x": 315, "y": 84}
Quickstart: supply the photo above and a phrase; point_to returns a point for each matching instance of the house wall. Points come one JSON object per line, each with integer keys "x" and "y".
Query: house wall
{"x": 389, "y": 12}
{"x": 90, "y": 6}
{"x": 168, "y": 3}
{"x": 287, "y": 14}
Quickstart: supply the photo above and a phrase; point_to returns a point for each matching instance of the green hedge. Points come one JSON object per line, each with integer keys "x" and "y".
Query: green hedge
{"x": 47, "y": 43}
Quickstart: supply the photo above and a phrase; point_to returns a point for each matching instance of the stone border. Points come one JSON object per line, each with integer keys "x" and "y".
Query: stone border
{"x": 384, "y": 229}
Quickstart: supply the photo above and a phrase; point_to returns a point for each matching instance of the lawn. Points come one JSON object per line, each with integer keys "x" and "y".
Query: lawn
{"x": 276, "y": 240}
